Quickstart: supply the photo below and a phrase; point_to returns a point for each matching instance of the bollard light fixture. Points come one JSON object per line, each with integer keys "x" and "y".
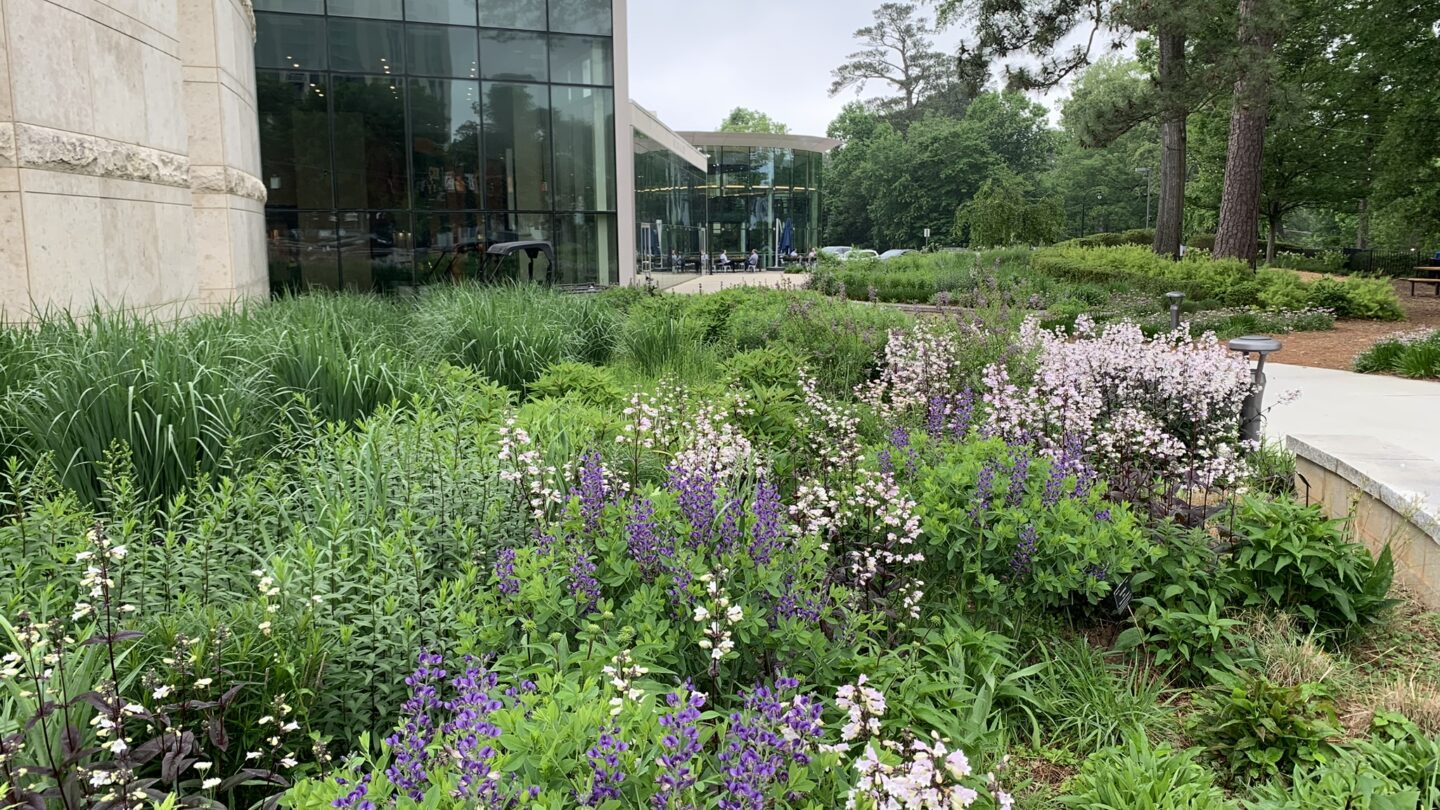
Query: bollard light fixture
{"x": 1262, "y": 346}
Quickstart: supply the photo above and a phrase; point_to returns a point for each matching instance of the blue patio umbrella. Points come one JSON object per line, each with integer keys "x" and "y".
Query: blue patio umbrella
{"x": 787, "y": 238}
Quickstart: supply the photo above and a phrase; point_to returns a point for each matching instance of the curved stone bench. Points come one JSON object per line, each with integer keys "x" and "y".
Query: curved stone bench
{"x": 1393, "y": 493}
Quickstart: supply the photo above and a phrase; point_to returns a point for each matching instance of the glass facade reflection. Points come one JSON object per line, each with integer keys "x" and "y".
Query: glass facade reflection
{"x": 670, "y": 207}
{"x": 760, "y": 195}
{"x": 399, "y": 138}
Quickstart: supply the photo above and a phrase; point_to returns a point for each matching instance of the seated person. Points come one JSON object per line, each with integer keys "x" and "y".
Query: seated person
{"x": 724, "y": 261}
{"x": 754, "y": 261}
{"x": 674, "y": 260}
{"x": 811, "y": 257}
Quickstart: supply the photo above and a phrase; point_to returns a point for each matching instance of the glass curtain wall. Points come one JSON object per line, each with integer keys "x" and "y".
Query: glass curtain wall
{"x": 670, "y": 212}
{"x": 400, "y": 138}
{"x": 756, "y": 193}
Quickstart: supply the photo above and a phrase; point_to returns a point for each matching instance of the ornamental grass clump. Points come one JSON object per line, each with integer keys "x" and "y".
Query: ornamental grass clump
{"x": 1163, "y": 409}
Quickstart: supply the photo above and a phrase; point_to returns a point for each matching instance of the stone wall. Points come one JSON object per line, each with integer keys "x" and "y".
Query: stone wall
{"x": 128, "y": 156}
{"x": 1392, "y": 495}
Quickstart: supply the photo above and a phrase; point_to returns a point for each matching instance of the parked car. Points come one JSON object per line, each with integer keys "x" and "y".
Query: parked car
{"x": 836, "y": 252}
{"x": 894, "y": 254}
{"x": 859, "y": 255}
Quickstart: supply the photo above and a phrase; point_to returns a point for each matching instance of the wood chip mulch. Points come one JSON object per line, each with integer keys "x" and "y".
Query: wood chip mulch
{"x": 1338, "y": 348}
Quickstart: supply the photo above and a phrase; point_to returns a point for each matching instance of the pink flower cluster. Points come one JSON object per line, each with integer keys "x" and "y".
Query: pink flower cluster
{"x": 1169, "y": 405}
{"x": 918, "y": 364}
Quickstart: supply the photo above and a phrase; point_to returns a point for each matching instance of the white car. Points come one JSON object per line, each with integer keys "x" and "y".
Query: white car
{"x": 860, "y": 256}
{"x": 837, "y": 251}
{"x": 894, "y": 254}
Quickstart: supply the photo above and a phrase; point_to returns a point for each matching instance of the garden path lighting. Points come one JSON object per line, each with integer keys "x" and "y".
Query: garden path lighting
{"x": 1262, "y": 346}
{"x": 1175, "y": 298}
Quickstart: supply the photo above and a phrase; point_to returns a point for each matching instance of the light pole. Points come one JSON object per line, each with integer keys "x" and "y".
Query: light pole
{"x": 1145, "y": 170}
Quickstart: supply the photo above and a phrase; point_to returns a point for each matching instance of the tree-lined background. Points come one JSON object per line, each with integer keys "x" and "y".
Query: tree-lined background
{"x": 1244, "y": 127}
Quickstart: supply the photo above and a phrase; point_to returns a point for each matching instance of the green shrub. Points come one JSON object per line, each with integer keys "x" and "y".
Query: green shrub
{"x": 1142, "y": 776}
{"x": 1257, "y": 731}
{"x": 1415, "y": 355}
{"x": 1289, "y": 557}
{"x": 773, "y": 366}
{"x": 593, "y": 385}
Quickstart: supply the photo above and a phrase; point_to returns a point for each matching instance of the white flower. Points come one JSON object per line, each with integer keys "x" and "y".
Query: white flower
{"x": 288, "y": 762}
{"x": 204, "y": 683}
{"x": 162, "y": 692}
{"x": 211, "y": 783}
{"x": 734, "y": 614}
{"x": 251, "y": 756}
{"x": 701, "y": 613}
{"x": 204, "y": 766}
{"x": 290, "y": 726}
{"x": 118, "y": 746}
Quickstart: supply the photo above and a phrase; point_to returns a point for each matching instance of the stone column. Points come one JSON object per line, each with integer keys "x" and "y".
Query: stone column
{"x": 217, "y": 49}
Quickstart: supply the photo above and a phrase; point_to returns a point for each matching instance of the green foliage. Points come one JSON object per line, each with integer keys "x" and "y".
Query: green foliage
{"x": 1000, "y": 215}
{"x": 991, "y": 527}
{"x": 1416, "y": 356}
{"x": 1228, "y": 281}
{"x": 1289, "y": 557}
{"x": 1141, "y": 776}
{"x": 1257, "y": 731}
{"x": 593, "y": 385}
{"x": 743, "y": 119}
{"x": 1086, "y": 702}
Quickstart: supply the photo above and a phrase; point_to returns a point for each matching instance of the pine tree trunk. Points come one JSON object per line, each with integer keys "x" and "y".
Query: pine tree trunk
{"x": 1238, "y": 234}
{"x": 1276, "y": 227}
{"x": 1170, "y": 216}
{"x": 1362, "y": 225}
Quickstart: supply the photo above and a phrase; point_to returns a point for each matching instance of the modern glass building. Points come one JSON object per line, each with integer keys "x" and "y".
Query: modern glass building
{"x": 401, "y": 137}
{"x": 671, "y": 212}
{"x": 762, "y": 191}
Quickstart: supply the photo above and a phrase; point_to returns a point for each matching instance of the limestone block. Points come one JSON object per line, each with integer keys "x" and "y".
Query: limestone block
{"x": 6, "y": 111}
{"x": 132, "y": 253}
{"x": 250, "y": 274}
{"x": 7, "y": 145}
{"x": 197, "y": 32}
{"x": 212, "y": 248}
{"x": 168, "y": 128}
{"x": 176, "y": 225}
{"x": 117, "y": 85}
{"x": 50, "y": 86}
{"x": 56, "y": 150}
{"x": 14, "y": 277}
{"x": 65, "y": 245}
{"x": 205, "y": 123}
{"x": 242, "y": 133}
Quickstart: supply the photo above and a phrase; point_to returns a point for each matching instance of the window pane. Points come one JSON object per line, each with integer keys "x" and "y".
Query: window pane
{"x": 374, "y": 250}
{"x": 517, "y": 147}
{"x": 439, "y": 50}
{"x": 586, "y": 249}
{"x": 456, "y": 12}
{"x": 580, "y": 60}
{"x": 445, "y": 133}
{"x": 287, "y": 41}
{"x": 584, "y": 149}
{"x": 369, "y": 9}
{"x": 510, "y": 227}
{"x": 301, "y": 251}
{"x": 580, "y": 16}
{"x": 297, "y": 6}
{"x": 365, "y": 45}
{"x": 369, "y": 142}
{"x": 528, "y": 14}
{"x": 294, "y": 139}
{"x": 449, "y": 246}
{"x": 513, "y": 56}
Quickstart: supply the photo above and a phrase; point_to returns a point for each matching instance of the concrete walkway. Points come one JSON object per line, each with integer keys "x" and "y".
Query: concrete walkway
{"x": 1403, "y": 413}
{"x": 724, "y": 281}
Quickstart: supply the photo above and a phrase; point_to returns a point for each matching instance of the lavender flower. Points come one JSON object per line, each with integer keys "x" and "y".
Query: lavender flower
{"x": 608, "y": 773}
{"x": 1097, "y": 572}
{"x": 681, "y": 744}
{"x": 729, "y": 536}
{"x": 1024, "y": 551}
{"x": 357, "y": 798}
{"x": 984, "y": 489}
{"x": 1103, "y": 515}
{"x": 774, "y": 730}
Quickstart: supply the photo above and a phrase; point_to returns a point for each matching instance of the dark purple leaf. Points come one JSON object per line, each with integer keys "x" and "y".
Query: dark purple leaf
{"x": 98, "y": 701}
{"x": 218, "y": 736}
{"x": 230, "y": 695}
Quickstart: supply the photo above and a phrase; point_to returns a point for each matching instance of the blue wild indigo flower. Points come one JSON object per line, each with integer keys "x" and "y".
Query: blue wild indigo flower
{"x": 642, "y": 533}
{"x": 729, "y": 536}
{"x": 358, "y": 797}
{"x": 775, "y": 729}
{"x": 583, "y": 584}
{"x": 984, "y": 489}
{"x": 1024, "y": 551}
{"x": 681, "y": 745}
{"x": 593, "y": 493}
{"x": 607, "y": 772}
{"x": 768, "y": 534}
{"x": 508, "y": 585}
{"x": 695, "y": 490}
{"x": 1019, "y": 479}
{"x": 410, "y": 744}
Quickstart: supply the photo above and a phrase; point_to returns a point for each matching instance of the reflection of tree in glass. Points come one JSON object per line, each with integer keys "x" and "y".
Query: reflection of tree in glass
{"x": 294, "y": 139}
{"x": 517, "y": 171}
{"x": 369, "y": 142}
{"x": 446, "y": 142}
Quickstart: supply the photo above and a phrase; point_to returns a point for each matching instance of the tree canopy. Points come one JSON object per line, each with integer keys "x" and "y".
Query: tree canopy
{"x": 743, "y": 119}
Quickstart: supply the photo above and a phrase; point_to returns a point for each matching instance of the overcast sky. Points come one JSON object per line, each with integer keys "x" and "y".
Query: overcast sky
{"x": 692, "y": 61}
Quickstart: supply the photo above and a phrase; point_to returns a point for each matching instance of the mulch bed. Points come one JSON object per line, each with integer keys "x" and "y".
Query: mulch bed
{"x": 1338, "y": 349}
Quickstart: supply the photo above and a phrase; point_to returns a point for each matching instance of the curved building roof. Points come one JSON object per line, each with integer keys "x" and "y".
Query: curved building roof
{"x": 764, "y": 140}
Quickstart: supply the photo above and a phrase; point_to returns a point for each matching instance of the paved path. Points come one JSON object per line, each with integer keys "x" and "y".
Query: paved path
{"x": 1404, "y": 413}
{"x": 721, "y": 281}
